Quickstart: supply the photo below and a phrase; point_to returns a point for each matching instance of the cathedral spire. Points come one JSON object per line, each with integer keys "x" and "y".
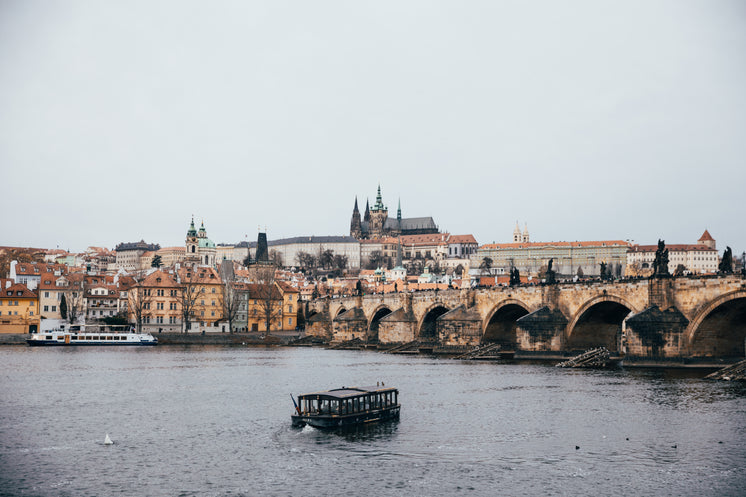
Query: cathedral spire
{"x": 398, "y": 212}
{"x": 366, "y": 218}
{"x": 379, "y": 200}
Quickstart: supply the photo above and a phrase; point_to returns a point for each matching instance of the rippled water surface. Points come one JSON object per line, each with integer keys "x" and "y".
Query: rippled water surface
{"x": 216, "y": 421}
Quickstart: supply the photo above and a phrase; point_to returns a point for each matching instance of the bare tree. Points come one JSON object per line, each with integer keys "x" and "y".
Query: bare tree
{"x": 276, "y": 258}
{"x": 75, "y": 302}
{"x": 340, "y": 262}
{"x": 230, "y": 300}
{"x": 267, "y": 296}
{"x": 486, "y": 265}
{"x": 138, "y": 302}
{"x": 187, "y": 296}
{"x": 326, "y": 259}
{"x": 305, "y": 260}
{"x": 375, "y": 260}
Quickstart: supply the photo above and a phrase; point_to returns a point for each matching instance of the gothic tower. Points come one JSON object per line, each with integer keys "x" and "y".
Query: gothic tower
{"x": 517, "y": 233}
{"x": 378, "y": 216}
{"x": 356, "y": 228}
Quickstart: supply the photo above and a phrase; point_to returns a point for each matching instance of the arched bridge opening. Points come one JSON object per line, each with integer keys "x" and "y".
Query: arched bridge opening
{"x": 502, "y": 326}
{"x": 600, "y": 325}
{"x": 429, "y": 328}
{"x": 375, "y": 322}
{"x": 340, "y": 311}
{"x": 722, "y": 331}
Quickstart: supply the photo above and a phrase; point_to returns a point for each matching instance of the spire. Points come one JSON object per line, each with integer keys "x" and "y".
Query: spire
{"x": 379, "y": 201}
{"x": 517, "y": 233}
{"x": 355, "y": 225}
{"x": 366, "y": 218}
{"x": 399, "y": 255}
{"x": 192, "y": 230}
{"x": 398, "y": 212}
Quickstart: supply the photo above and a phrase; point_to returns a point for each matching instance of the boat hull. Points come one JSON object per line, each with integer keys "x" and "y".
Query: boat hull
{"x": 332, "y": 421}
{"x": 55, "y": 343}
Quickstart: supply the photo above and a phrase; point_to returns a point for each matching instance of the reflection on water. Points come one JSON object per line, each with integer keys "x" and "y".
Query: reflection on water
{"x": 216, "y": 421}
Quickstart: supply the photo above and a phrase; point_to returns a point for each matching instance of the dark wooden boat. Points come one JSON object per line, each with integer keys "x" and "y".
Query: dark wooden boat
{"x": 346, "y": 406}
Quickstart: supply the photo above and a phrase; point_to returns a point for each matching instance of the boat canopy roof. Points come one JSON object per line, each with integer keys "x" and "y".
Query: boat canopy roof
{"x": 347, "y": 392}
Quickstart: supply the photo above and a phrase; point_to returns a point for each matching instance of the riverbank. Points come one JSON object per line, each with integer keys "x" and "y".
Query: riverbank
{"x": 280, "y": 339}
{"x": 225, "y": 339}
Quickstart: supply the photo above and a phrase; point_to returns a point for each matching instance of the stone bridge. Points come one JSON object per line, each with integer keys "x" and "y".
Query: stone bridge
{"x": 656, "y": 318}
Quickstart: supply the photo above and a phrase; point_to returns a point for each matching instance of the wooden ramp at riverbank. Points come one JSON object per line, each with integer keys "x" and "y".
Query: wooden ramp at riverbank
{"x": 593, "y": 358}
{"x": 412, "y": 347}
{"x": 490, "y": 350}
{"x": 733, "y": 372}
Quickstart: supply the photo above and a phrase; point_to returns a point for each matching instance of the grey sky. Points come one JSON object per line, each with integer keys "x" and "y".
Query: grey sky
{"x": 588, "y": 120}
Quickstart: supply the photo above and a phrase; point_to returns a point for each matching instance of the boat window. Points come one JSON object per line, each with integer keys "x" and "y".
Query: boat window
{"x": 48, "y": 337}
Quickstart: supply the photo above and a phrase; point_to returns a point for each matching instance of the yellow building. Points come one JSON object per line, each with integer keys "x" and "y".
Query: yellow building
{"x": 276, "y": 303}
{"x": 203, "y": 289}
{"x": 19, "y": 309}
{"x": 159, "y": 297}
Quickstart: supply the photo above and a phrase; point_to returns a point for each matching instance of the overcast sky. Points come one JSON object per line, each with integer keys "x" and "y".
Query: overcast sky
{"x": 587, "y": 120}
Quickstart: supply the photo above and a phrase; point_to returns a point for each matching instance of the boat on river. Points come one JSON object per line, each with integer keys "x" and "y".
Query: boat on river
{"x": 346, "y": 406}
{"x": 79, "y": 335}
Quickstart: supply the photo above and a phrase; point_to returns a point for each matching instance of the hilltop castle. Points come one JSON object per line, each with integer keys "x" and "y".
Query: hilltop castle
{"x": 376, "y": 223}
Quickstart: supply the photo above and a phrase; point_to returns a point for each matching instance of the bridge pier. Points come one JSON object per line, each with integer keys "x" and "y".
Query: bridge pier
{"x": 653, "y": 333}
{"x": 460, "y": 327}
{"x": 542, "y": 330}
{"x": 401, "y": 325}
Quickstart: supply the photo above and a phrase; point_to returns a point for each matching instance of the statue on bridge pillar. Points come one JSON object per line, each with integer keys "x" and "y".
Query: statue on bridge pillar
{"x": 726, "y": 264}
{"x": 551, "y": 274}
{"x": 660, "y": 264}
{"x": 515, "y": 277}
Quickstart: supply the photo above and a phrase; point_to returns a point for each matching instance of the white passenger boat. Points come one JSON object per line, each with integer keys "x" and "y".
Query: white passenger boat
{"x": 92, "y": 335}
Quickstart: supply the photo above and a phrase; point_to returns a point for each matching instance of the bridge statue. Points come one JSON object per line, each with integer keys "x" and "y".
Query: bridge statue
{"x": 726, "y": 264}
{"x": 660, "y": 264}
{"x": 551, "y": 275}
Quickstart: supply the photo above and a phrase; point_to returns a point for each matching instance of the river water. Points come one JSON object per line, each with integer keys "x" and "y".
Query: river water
{"x": 216, "y": 421}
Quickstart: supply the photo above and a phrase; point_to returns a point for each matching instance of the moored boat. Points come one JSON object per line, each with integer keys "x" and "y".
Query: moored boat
{"x": 91, "y": 335}
{"x": 346, "y": 406}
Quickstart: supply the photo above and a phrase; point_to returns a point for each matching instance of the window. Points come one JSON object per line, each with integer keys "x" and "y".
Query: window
{"x": 159, "y": 306}
{"x": 54, "y": 308}
{"x": 160, "y": 293}
{"x": 46, "y": 295}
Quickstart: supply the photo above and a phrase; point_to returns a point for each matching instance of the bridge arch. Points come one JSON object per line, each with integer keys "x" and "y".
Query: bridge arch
{"x": 719, "y": 328}
{"x": 380, "y": 312}
{"x": 598, "y": 323}
{"x": 500, "y": 324}
{"x": 427, "y": 328}
{"x": 341, "y": 309}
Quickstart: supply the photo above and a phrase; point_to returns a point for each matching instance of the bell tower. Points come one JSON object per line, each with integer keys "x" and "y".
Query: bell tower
{"x": 192, "y": 244}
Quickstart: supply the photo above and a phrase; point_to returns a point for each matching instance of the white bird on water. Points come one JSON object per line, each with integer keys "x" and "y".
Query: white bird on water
{"x": 107, "y": 440}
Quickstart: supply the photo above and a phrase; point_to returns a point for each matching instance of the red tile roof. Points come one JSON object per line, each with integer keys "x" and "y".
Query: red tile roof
{"x": 13, "y": 292}
{"x": 706, "y": 237}
{"x": 607, "y": 243}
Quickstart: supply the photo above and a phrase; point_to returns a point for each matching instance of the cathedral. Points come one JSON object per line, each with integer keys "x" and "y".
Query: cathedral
{"x": 376, "y": 224}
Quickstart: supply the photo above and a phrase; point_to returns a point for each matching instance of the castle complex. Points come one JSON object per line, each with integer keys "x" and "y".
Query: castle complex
{"x": 376, "y": 223}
